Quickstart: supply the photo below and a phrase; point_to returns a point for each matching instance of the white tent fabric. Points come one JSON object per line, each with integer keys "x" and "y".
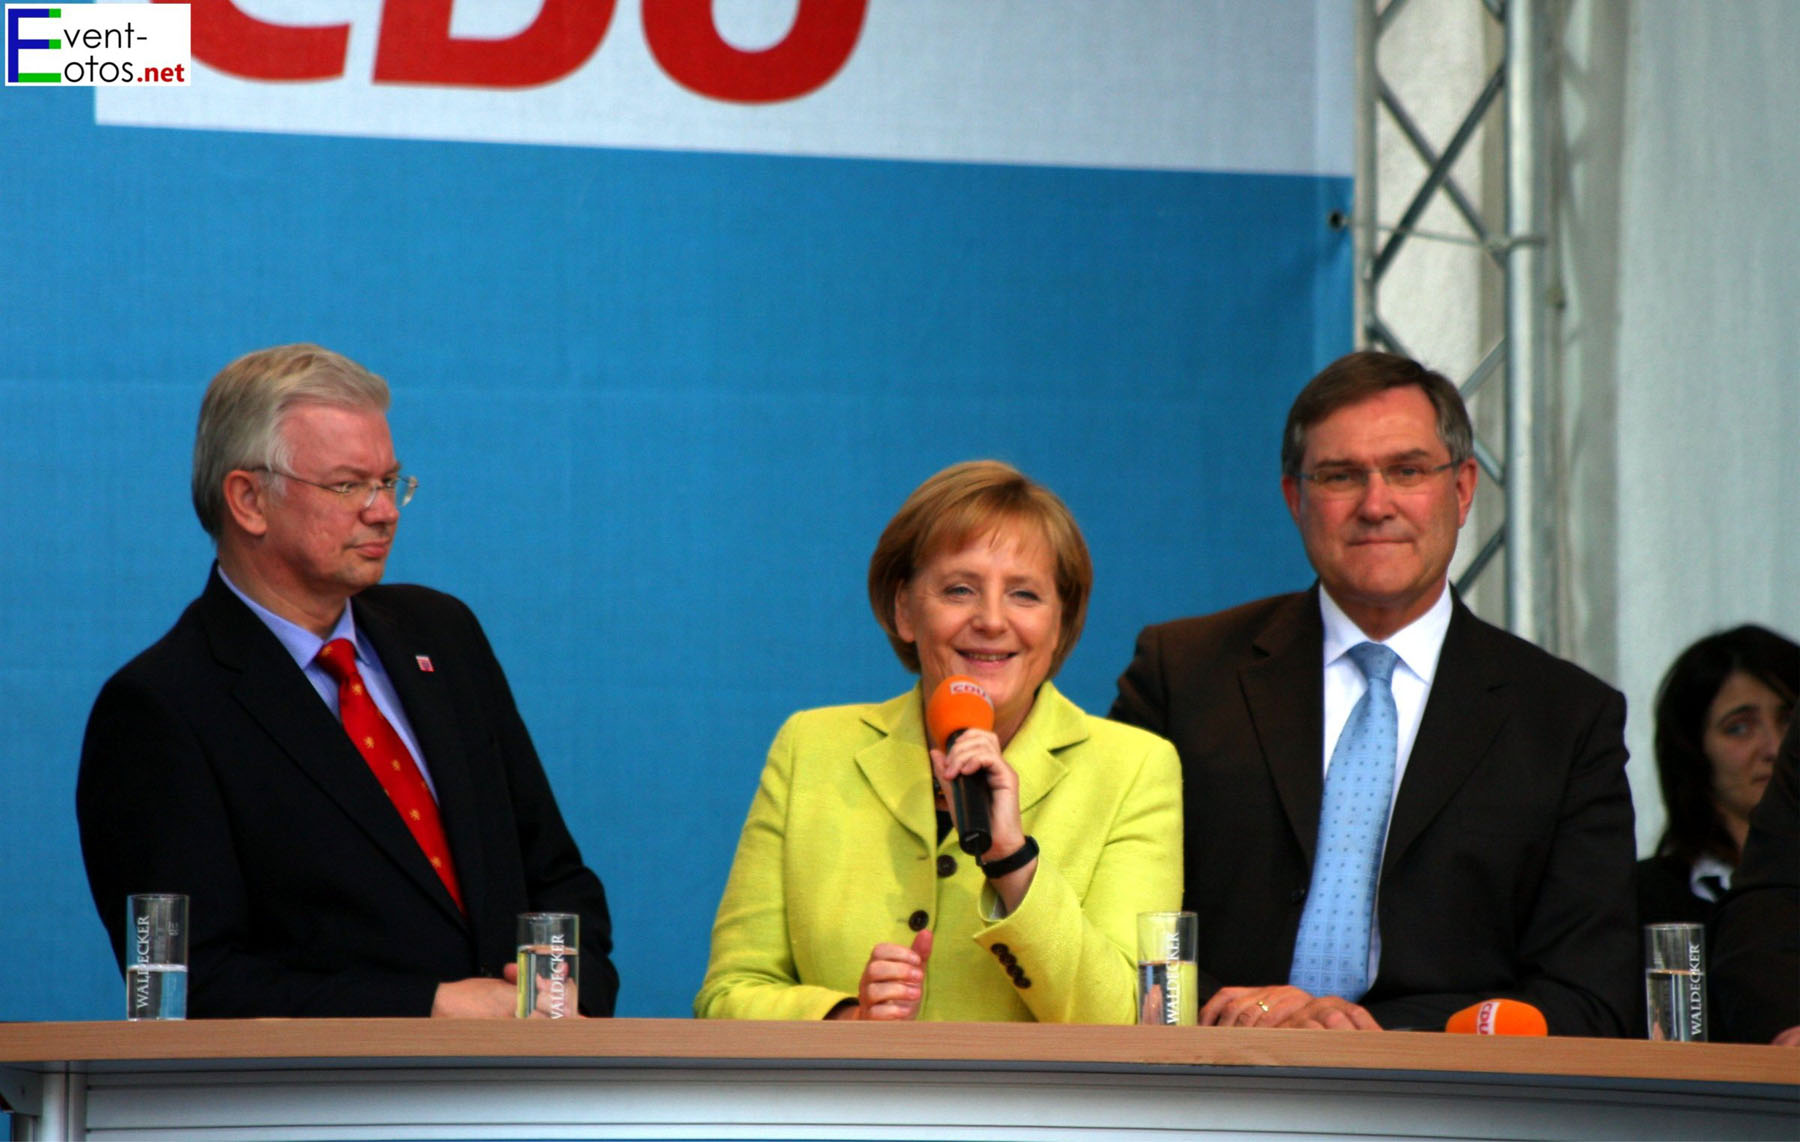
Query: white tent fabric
{"x": 1679, "y": 162}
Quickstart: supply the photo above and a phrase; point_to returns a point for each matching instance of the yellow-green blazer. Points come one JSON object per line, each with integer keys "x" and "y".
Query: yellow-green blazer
{"x": 840, "y": 853}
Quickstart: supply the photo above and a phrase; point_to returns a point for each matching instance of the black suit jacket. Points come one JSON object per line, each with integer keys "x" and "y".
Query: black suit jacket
{"x": 1665, "y": 894}
{"x": 212, "y": 768}
{"x": 1756, "y": 933}
{"x": 1509, "y": 858}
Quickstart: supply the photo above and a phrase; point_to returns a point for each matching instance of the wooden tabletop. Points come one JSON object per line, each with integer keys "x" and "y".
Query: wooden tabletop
{"x": 35, "y": 1046}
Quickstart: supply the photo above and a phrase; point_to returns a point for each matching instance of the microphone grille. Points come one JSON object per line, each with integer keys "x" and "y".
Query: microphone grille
{"x": 958, "y": 703}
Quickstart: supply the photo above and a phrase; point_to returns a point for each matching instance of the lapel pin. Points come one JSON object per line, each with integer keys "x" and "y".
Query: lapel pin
{"x": 424, "y": 661}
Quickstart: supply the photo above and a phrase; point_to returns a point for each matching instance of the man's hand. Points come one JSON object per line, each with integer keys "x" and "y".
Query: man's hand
{"x": 1333, "y": 1014}
{"x": 1283, "y": 1006}
{"x": 1252, "y": 1006}
{"x": 479, "y": 997}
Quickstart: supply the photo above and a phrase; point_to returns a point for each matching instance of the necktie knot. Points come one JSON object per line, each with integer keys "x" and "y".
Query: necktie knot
{"x": 338, "y": 658}
{"x": 1376, "y": 661}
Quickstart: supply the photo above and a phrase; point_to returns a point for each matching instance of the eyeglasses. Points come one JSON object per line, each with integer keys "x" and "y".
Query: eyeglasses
{"x": 401, "y": 488}
{"x": 1341, "y": 483}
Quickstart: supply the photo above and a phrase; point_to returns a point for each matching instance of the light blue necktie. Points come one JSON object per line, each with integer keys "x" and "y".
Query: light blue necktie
{"x": 1331, "y": 954}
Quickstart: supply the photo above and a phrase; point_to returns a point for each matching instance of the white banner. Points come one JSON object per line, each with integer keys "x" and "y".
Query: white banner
{"x": 1263, "y": 87}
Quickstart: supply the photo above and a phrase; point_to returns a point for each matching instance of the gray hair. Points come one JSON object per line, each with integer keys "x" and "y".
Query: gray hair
{"x": 245, "y": 406}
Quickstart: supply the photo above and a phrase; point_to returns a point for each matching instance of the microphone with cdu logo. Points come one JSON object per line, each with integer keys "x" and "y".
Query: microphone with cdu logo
{"x": 959, "y": 703}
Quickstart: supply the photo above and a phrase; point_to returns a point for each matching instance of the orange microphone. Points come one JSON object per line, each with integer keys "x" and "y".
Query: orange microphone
{"x": 959, "y": 703}
{"x": 1498, "y": 1017}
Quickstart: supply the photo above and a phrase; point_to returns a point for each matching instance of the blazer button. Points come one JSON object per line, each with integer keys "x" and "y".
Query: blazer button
{"x": 1296, "y": 896}
{"x": 918, "y": 920}
{"x": 946, "y": 865}
{"x": 1000, "y": 949}
{"x": 1008, "y": 959}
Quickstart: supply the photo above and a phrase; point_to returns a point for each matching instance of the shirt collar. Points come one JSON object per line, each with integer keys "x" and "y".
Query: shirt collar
{"x": 1709, "y": 877}
{"x": 1417, "y": 644}
{"x": 301, "y": 643}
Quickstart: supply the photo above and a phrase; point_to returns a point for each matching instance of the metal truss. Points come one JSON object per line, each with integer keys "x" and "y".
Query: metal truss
{"x": 1522, "y": 468}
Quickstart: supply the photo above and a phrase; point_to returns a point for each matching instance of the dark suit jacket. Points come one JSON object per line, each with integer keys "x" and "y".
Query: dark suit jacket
{"x": 1508, "y": 867}
{"x": 212, "y": 768}
{"x": 1665, "y": 896}
{"x": 1756, "y": 933}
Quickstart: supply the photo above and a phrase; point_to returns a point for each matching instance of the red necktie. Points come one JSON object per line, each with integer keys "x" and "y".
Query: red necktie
{"x": 389, "y": 758}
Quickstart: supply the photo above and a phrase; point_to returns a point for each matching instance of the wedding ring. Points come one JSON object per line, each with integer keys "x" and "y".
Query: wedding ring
{"x": 1264, "y": 1006}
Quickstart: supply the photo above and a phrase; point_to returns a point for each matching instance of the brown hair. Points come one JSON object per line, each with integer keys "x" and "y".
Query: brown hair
{"x": 956, "y": 505}
{"x": 1356, "y": 377}
{"x": 1683, "y": 700}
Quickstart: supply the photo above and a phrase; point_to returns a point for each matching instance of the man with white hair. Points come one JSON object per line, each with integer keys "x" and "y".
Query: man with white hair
{"x": 333, "y": 771}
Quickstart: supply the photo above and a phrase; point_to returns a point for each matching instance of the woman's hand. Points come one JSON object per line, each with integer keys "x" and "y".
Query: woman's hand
{"x": 893, "y": 981}
{"x": 978, "y": 752}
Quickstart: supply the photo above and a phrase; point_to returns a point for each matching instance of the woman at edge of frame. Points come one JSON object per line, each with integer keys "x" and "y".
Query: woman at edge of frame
{"x": 1721, "y": 711}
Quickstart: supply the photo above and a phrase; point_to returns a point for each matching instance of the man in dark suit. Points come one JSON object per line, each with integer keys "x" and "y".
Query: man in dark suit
{"x": 1505, "y": 867}
{"x": 378, "y": 871}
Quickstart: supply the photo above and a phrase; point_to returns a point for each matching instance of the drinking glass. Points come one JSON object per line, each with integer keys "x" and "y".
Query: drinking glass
{"x": 156, "y": 959}
{"x": 549, "y": 965}
{"x": 1168, "y": 977}
{"x": 1675, "y": 981}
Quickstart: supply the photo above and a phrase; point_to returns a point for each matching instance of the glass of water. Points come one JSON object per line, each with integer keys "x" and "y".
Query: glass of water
{"x": 1168, "y": 976}
{"x": 549, "y": 965}
{"x": 156, "y": 959}
{"x": 1675, "y": 981}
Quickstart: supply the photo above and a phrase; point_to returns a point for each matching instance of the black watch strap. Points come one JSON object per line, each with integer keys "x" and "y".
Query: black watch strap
{"x": 1026, "y": 853}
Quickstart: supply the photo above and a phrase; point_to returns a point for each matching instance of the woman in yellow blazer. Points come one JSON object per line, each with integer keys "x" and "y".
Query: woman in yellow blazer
{"x": 849, "y": 897}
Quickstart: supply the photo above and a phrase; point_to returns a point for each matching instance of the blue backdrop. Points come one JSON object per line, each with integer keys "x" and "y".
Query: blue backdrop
{"x": 660, "y": 405}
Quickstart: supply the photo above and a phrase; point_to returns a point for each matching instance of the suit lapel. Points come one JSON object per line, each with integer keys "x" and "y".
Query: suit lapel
{"x": 897, "y": 767}
{"x": 1462, "y": 717}
{"x": 275, "y": 693}
{"x": 428, "y": 709}
{"x": 1054, "y": 724}
{"x": 1283, "y": 687}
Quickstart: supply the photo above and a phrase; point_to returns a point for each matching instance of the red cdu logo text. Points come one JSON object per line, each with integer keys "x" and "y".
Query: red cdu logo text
{"x": 414, "y": 45}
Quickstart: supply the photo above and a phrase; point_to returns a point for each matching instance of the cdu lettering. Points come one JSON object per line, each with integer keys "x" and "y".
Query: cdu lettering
{"x": 414, "y": 45}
